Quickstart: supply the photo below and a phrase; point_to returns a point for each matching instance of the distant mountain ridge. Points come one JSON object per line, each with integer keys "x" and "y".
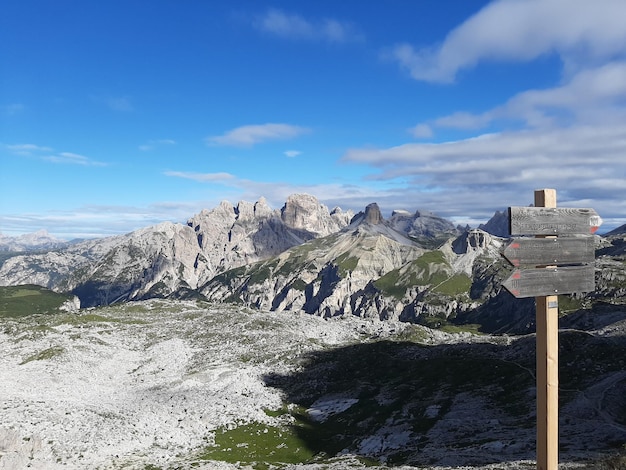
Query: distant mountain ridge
{"x": 40, "y": 240}
{"x": 414, "y": 267}
{"x": 165, "y": 258}
{"x": 172, "y": 259}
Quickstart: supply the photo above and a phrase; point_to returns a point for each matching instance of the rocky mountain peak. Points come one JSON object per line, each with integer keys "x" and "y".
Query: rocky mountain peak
{"x": 304, "y": 212}
{"x": 247, "y": 211}
{"x": 38, "y": 240}
{"x": 298, "y": 209}
{"x": 244, "y": 210}
{"x": 400, "y": 213}
{"x": 421, "y": 224}
{"x": 372, "y": 214}
{"x": 472, "y": 240}
{"x": 498, "y": 225}
{"x": 261, "y": 208}
{"x": 224, "y": 206}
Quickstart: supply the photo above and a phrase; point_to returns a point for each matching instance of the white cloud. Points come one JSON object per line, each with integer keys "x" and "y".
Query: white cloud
{"x": 569, "y": 137}
{"x": 294, "y": 26}
{"x": 202, "y": 177}
{"x": 46, "y": 153}
{"x": 27, "y": 149}
{"x": 246, "y": 136}
{"x": 579, "y": 31}
{"x": 494, "y": 170}
{"x": 591, "y": 96}
{"x": 72, "y": 159}
{"x": 292, "y": 153}
{"x": 421, "y": 131}
{"x": 94, "y": 221}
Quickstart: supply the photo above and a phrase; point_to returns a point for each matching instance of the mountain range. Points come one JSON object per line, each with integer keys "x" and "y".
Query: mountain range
{"x": 331, "y": 340}
{"x": 40, "y": 240}
{"x": 414, "y": 267}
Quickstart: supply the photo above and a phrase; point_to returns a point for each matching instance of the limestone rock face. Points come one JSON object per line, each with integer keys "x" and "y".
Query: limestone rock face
{"x": 372, "y": 214}
{"x": 232, "y": 236}
{"x": 169, "y": 258}
{"x": 498, "y": 225}
{"x": 305, "y": 213}
{"x": 369, "y": 269}
{"x": 422, "y": 224}
{"x": 320, "y": 276}
{"x": 471, "y": 240}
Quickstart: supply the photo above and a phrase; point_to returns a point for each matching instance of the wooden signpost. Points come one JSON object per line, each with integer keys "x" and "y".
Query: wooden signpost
{"x": 537, "y": 251}
{"x": 547, "y": 220}
{"x": 540, "y": 275}
{"x": 534, "y": 282}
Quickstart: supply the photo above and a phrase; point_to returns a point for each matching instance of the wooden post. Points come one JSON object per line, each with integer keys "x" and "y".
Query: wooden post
{"x": 547, "y": 320}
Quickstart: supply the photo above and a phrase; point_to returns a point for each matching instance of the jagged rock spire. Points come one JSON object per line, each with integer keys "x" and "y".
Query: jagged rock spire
{"x": 372, "y": 214}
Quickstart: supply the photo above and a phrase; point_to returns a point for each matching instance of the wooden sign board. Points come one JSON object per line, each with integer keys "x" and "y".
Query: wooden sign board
{"x": 537, "y": 282}
{"x": 550, "y": 251}
{"x": 552, "y": 221}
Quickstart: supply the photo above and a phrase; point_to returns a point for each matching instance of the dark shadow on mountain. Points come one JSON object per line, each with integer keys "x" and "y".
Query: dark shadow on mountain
{"x": 600, "y": 315}
{"x": 500, "y": 314}
{"x": 616, "y": 248}
{"x": 404, "y": 403}
{"x": 95, "y": 293}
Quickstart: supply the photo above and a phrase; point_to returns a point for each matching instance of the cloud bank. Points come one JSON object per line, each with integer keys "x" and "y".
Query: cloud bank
{"x": 579, "y": 31}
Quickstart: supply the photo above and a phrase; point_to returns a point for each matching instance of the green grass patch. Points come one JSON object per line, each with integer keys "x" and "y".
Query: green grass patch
{"x": 226, "y": 277}
{"x": 569, "y": 303}
{"x": 46, "y": 354}
{"x": 429, "y": 269}
{"x": 466, "y": 328}
{"x": 412, "y": 333}
{"x": 89, "y": 318}
{"x": 389, "y": 284}
{"x": 19, "y": 301}
{"x": 299, "y": 284}
{"x": 258, "y": 445}
{"x": 456, "y": 285}
{"x": 346, "y": 263}
{"x": 431, "y": 257}
{"x": 263, "y": 271}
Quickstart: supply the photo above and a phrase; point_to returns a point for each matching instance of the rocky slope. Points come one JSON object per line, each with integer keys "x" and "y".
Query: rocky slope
{"x": 320, "y": 276}
{"x": 189, "y": 385}
{"x": 371, "y": 270}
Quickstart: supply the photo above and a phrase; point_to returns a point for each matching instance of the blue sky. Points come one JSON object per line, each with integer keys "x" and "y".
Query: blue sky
{"x": 121, "y": 114}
